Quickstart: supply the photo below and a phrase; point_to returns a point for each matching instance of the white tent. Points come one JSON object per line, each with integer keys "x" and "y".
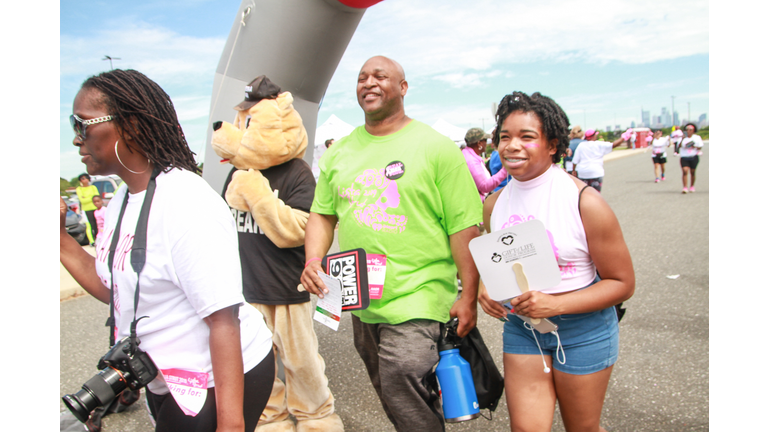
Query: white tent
{"x": 455, "y": 133}
{"x": 335, "y": 128}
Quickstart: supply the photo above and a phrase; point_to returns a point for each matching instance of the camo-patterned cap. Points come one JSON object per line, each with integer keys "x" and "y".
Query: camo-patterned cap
{"x": 474, "y": 135}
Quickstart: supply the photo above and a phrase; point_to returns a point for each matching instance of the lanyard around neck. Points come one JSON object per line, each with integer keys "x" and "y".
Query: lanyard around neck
{"x": 138, "y": 258}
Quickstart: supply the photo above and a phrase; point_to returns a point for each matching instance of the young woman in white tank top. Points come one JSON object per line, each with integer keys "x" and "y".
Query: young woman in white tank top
{"x": 532, "y": 132}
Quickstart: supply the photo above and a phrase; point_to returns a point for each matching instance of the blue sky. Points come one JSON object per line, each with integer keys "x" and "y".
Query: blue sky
{"x": 459, "y": 57}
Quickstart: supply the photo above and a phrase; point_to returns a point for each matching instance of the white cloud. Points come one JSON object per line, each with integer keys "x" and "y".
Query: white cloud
{"x": 492, "y": 32}
{"x": 461, "y": 80}
{"x": 158, "y": 52}
{"x": 465, "y": 46}
{"x": 182, "y": 65}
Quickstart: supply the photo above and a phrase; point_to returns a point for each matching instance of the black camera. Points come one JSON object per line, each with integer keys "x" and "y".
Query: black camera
{"x": 120, "y": 369}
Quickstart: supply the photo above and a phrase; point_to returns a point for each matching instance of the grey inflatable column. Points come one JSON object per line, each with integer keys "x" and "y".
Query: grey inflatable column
{"x": 297, "y": 44}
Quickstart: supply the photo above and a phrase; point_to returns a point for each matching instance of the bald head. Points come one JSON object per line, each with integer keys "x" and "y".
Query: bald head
{"x": 381, "y": 89}
{"x": 385, "y": 63}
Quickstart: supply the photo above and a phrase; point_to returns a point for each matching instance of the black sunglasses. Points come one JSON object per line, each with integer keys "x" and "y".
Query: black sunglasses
{"x": 79, "y": 125}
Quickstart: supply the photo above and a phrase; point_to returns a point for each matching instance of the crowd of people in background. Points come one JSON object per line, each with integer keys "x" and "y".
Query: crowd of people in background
{"x": 589, "y": 157}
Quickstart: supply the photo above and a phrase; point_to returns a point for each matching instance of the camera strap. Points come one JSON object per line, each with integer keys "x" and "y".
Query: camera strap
{"x": 138, "y": 258}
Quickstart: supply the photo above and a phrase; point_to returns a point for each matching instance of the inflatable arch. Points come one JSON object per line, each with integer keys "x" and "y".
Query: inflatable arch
{"x": 297, "y": 44}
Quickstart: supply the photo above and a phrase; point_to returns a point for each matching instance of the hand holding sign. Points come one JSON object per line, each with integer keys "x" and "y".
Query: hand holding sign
{"x": 526, "y": 244}
{"x": 350, "y": 268}
{"x": 522, "y": 282}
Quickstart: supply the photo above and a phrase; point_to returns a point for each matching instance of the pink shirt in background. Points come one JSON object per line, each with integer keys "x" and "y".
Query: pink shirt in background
{"x": 483, "y": 179}
{"x": 99, "y": 215}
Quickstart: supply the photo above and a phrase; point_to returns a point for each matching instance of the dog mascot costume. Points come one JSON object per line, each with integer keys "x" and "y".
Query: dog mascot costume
{"x": 270, "y": 191}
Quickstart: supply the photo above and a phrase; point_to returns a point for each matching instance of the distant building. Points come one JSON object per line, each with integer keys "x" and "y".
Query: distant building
{"x": 632, "y": 125}
{"x": 617, "y": 128}
{"x": 703, "y": 120}
{"x": 646, "y": 117}
{"x": 607, "y": 128}
{"x": 665, "y": 117}
{"x": 676, "y": 121}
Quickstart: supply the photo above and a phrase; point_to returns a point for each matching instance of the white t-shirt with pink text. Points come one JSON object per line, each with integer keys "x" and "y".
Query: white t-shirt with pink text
{"x": 192, "y": 270}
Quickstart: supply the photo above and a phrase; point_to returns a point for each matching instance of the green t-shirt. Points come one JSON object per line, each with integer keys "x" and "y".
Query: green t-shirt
{"x": 407, "y": 218}
{"x": 85, "y": 196}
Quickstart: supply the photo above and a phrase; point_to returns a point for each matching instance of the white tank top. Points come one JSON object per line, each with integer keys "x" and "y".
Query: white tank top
{"x": 552, "y": 198}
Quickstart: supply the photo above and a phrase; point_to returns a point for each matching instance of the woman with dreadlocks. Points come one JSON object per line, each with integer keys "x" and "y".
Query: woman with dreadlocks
{"x": 191, "y": 324}
{"x": 532, "y": 133}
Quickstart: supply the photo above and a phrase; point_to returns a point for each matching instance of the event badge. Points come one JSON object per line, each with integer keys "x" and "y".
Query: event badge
{"x": 377, "y": 271}
{"x": 328, "y": 310}
{"x": 526, "y": 243}
{"x": 189, "y": 389}
{"x": 350, "y": 268}
{"x": 394, "y": 170}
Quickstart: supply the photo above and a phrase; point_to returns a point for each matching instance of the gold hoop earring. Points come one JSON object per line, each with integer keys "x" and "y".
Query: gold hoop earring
{"x": 121, "y": 162}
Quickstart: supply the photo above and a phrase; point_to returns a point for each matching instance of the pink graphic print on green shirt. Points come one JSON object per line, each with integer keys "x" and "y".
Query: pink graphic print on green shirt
{"x": 374, "y": 199}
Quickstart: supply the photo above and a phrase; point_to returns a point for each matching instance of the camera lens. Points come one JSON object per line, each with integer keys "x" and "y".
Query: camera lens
{"x": 97, "y": 391}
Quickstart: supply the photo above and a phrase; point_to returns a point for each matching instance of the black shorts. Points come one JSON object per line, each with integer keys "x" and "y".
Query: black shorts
{"x": 596, "y": 183}
{"x": 690, "y": 162}
{"x": 659, "y": 159}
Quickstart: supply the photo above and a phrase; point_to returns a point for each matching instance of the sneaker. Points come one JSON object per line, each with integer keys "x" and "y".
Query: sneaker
{"x": 657, "y": 180}
{"x": 685, "y": 190}
{"x": 663, "y": 178}
{"x": 692, "y": 189}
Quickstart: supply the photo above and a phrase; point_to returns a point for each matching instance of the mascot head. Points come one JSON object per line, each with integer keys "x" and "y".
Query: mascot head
{"x": 266, "y": 132}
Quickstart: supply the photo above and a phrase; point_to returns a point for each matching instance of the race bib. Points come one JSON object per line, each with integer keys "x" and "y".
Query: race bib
{"x": 377, "y": 271}
{"x": 189, "y": 389}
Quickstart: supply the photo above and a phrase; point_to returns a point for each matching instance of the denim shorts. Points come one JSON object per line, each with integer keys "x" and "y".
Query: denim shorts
{"x": 590, "y": 341}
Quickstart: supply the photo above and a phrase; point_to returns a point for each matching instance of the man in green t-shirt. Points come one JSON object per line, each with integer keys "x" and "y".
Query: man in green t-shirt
{"x": 399, "y": 189}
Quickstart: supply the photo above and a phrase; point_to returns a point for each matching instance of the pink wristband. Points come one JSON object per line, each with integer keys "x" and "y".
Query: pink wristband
{"x": 312, "y": 259}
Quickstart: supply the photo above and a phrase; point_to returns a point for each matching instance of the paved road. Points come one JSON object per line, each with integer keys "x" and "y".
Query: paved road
{"x": 661, "y": 381}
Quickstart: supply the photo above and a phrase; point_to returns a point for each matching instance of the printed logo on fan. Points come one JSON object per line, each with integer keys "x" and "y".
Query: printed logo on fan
{"x": 565, "y": 267}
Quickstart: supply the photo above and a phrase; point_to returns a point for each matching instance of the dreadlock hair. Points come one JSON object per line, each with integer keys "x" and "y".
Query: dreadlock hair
{"x": 553, "y": 119}
{"x": 144, "y": 112}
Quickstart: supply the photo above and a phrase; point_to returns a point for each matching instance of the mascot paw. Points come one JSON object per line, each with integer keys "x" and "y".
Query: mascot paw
{"x": 246, "y": 189}
{"x": 280, "y": 426}
{"x": 332, "y": 423}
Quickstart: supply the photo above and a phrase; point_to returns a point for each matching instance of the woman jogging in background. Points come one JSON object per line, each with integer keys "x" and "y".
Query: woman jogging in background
{"x": 195, "y": 320}
{"x": 588, "y": 158}
{"x": 659, "y": 154}
{"x": 532, "y": 132}
{"x": 690, "y": 149}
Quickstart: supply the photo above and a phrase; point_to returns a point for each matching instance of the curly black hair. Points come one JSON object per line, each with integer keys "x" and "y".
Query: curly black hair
{"x": 145, "y": 113}
{"x": 553, "y": 119}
